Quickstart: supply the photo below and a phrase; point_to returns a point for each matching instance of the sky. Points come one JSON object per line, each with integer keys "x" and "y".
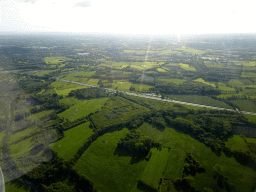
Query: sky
{"x": 128, "y": 16}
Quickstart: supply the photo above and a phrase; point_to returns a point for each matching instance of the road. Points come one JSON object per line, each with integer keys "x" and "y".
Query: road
{"x": 2, "y": 188}
{"x": 160, "y": 99}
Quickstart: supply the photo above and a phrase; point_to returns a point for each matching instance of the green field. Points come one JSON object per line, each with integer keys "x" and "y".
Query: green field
{"x": 192, "y": 51}
{"x": 117, "y": 110}
{"x": 236, "y": 83}
{"x": 21, "y": 134}
{"x": 109, "y": 172}
{"x": 83, "y": 108}
{"x": 125, "y": 86}
{"x": 70, "y": 101}
{"x": 73, "y": 140}
{"x": 203, "y": 100}
{"x": 39, "y": 115}
{"x": 77, "y": 75}
{"x": 214, "y": 65}
{"x": 205, "y": 82}
{"x": 176, "y": 81}
{"x": 251, "y": 140}
{"x": 237, "y": 143}
{"x": 21, "y": 148}
{"x": 245, "y": 105}
{"x": 187, "y": 67}
{"x": 223, "y": 87}
{"x": 251, "y": 118}
{"x": 55, "y": 60}
{"x": 64, "y": 88}
{"x": 42, "y": 73}
{"x": 249, "y": 74}
{"x": 184, "y": 143}
{"x": 155, "y": 167}
{"x": 161, "y": 70}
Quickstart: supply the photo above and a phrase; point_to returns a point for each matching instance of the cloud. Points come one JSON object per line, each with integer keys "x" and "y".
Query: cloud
{"x": 83, "y": 4}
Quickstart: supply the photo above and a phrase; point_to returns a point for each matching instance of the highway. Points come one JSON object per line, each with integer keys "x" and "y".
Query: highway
{"x": 160, "y": 99}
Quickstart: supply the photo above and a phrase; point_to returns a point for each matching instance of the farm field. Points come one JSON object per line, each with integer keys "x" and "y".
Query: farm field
{"x": 251, "y": 118}
{"x": 203, "y": 100}
{"x": 75, "y": 76}
{"x": 72, "y": 141}
{"x": 187, "y": 67}
{"x": 117, "y": 110}
{"x": 21, "y": 148}
{"x": 37, "y": 116}
{"x": 125, "y": 86}
{"x": 223, "y": 87}
{"x": 205, "y": 82}
{"x": 42, "y": 73}
{"x": 83, "y": 108}
{"x": 21, "y": 134}
{"x": 237, "y": 143}
{"x": 192, "y": 51}
{"x": 110, "y": 172}
{"x": 245, "y": 105}
{"x": 64, "y": 88}
{"x": 236, "y": 83}
{"x": 170, "y": 138}
{"x": 55, "y": 60}
{"x": 176, "y": 81}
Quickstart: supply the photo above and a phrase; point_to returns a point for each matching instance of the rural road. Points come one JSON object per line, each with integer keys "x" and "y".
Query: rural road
{"x": 157, "y": 98}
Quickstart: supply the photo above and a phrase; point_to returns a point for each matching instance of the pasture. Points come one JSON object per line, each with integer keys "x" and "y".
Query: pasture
{"x": 236, "y": 83}
{"x": 109, "y": 171}
{"x": 125, "y": 86}
{"x": 83, "y": 108}
{"x": 223, "y": 87}
{"x": 187, "y": 67}
{"x": 176, "y": 81}
{"x": 37, "y": 116}
{"x": 237, "y": 143}
{"x": 64, "y": 88}
{"x": 191, "y": 51}
{"x": 205, "y": 82}
{"x": 21, "y": 148}
{"x": 184, "y": 143}
{"x": 202, "y": 100}
{"x": 21, "y": 134}
{"x": 55, "y": 60}
{"x": 74, "y": 139}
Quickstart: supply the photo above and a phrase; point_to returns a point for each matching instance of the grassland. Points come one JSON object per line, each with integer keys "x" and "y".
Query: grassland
{"x": 21, "y": 148}
{"x": 223, "y": 87}
{"x": 184, "y": 143}
{"x": 187, "y": 67}
{"x": 245, "y": 105}
{"x": 237, "y": 143}
{"x": 203, "y": 100}
{"x": 176, "y": 81}
{"x": 155, "y": 167}
{"x": 42, "y": 73}
{"x": 125, "y": 86}
{"x": 109, "y": 172}
{"x": 251, "y": 118}
{"x": 78, "y": 75}
{"x": 248, "y": 74}
{"x": 117, "y": 110}
{"x": 205, "y": 82}
{"x": 192, "y": 51}
{"x": 21, "y": 134}
{"x": 251, "y": 140}
{"x": 70, "y": 101}
{"x": 83, "y": 108}
{"x": 39, "y": 115}
{"x": 161, "y": 70}
{"x": 73, "y": 140}
{"x": 64, "y": 88}
{"x": 55, "y": 60}
{"x": 236, "y": 83}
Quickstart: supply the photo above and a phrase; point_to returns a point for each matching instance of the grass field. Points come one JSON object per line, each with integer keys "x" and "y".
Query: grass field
{"x": 203, "y": 100}
{"x": 64, "y": 88}
{"x": 236, "y": 83}
{"x": 184, "y": 143}
{"x": 73, "y": 140}
{"x": 83, "y": 108}
{"x": 192, "y": 51}
{"x": 155, "y": 167}
{"x": 55, "y": 60}
{"x": 249, "y": 74}
{"x": 187, "y": 67}
{"x": 223, "y": 87}
{"x": 161, "y": 70}
{"x": 109, "y": 172}
{"x": 176, "y": 81}
{"x": 205, "y": 82}
{"x": 39, "y": 115}
{"x": 245, "y": 105}
{"x": 125, "y": 86}
{"x": 117, "y": 110}
{"x": 77, "y": 75}
{"x": 42, "y": 73}
{"x": 237, "y": 143}
{"x": 70, "y": 101}
{"x": 21, "y": 148}
{"x": 21, "y": 134}
{"x": 251, "y": 118}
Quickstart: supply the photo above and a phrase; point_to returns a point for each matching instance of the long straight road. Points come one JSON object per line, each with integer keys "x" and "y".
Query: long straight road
{"x": 160, "y": 99}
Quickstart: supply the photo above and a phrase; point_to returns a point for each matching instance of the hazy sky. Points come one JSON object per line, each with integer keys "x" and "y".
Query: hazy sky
{"x": 128, "y": 16}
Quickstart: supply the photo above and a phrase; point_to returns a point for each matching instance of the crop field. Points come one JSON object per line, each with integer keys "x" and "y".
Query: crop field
{"x": 55, "y": 60}
{"x": 155, "y": 167}
{"x": 73, "y": 140}
{"x": 125, "y": 86}
{"x": 236, "y": 83}
{"x": 21, "y": 148}
{"x": 205, "y": 82}
{"x": 83, "y": 108}
{"x": 39, "y": 115}
{"x": 117, "y": 110}
{"x": 64, "y": 88}
{"x": 223, "y": 87}
{"x": 192, "y": 51}
{"x": 184, "y": 143}
{"x": 108, "y": 171}
{"x": 245, "y": 105}
{"x": 203, "y": 100}
{"x": 21, "y": 134}
{"x": 187, "y": 67}
{"x": 161, "y": 70}
{"x": 237, "y": 143}
{"x": 69, "y": 101}
{"x": 77, "y": 75}
{"x": 248, "y": 74}
{"x": 176, "y": 81}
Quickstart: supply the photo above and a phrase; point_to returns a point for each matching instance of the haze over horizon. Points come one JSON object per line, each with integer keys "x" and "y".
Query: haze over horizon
{"x": 127, "y": 17}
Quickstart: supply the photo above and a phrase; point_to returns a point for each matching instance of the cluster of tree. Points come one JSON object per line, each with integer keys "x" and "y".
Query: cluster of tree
{"x": 191, "y": 166}
{"x": 51, "y": 175}
{"x": 132, "y": 88}
{"x": 145, "y": 187}
{"x": 184, "y": 184}
{"x": 88, "y": 93}
{"x": 135, "y": 144}
{"x": 32, "y": 84}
